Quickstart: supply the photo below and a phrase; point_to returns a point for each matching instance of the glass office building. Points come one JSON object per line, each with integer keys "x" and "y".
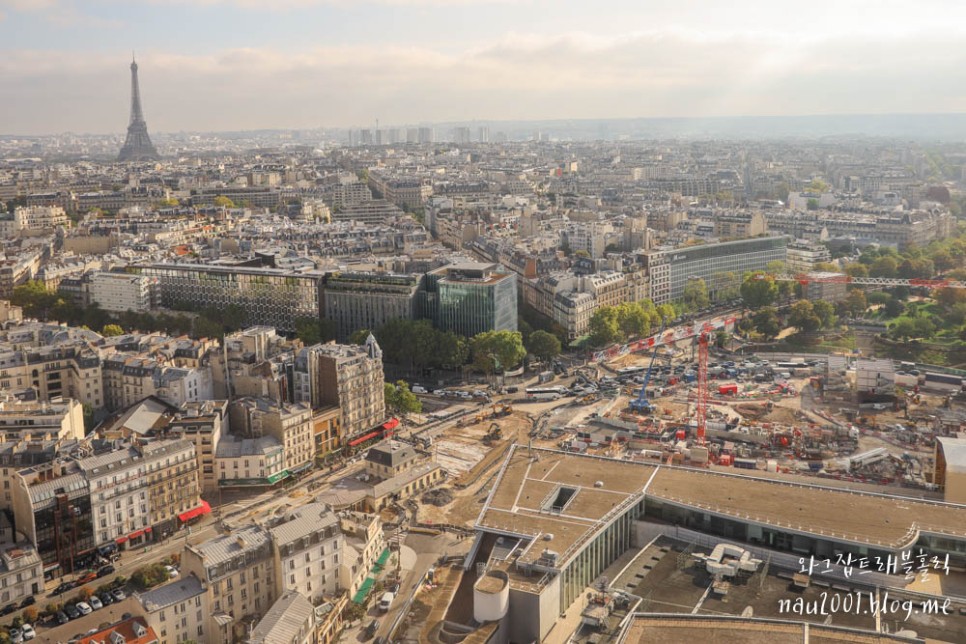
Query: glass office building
{"x": 471, "y": 297}
{"x": 268, "y": 296}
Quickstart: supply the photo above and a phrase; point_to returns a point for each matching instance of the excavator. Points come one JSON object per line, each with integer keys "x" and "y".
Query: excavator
{"x": 641, "y": 405}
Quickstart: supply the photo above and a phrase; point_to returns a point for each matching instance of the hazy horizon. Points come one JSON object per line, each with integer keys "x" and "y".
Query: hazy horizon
{"x": 244, "y": 65}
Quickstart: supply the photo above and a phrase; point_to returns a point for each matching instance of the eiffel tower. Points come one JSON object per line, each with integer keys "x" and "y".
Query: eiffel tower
{"x": 137, "y": 146}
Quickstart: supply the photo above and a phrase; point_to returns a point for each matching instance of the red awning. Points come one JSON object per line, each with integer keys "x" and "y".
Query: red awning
{"x": 135, "y": 534}
{"x": 148, "y": 529}
{"x": 120, "y": 540}
{"x": 204, "y": 508}
{"x": 391, "y": 424}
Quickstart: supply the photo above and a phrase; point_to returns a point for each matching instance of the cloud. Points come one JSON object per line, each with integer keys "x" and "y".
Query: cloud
{"x": 518, "y": 76}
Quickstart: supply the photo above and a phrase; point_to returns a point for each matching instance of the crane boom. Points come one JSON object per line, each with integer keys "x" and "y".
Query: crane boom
{"x": 702, "y": 393}
{"x": 641, "y": 404}
{"x": 887, "y": 282}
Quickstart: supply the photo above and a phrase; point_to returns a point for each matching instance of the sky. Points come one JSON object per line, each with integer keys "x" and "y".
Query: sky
{"x": 217, "y": 65}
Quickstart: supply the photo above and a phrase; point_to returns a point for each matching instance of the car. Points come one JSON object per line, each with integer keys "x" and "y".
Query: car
{"x": 61, "y": 617}
{"x": 15, "y": 635}
{"x": 72, "y": 611}
{"x": 172, "y": 572}
{"x": 126, "y": 616}
{"x": 9, "y": 608}
{"x": 28, "y": 632}
{"x": 95, "y": 603}
{"x": 29, "y": 600}
{"x": 89, "y": 577}
{"x": 386, "y": 601}
{"x": 105, "y": 570}
{"x": 118, "y": 594}
{"x": 106, "y": 598}
{"x": 84, "y": 608}
{"x": 372, "y": 628}
{"x": 63, "y": 588}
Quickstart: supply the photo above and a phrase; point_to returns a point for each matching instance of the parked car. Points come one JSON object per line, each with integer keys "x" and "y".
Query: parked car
{"x": 9, "y": 608}
{"x": 71, "y": 611}
{"x": 386, "y": 601}
{"x": 105, "y": 570}
{"x": 95, "y": 603}
{"x": 15, "y": 635}
{"x": 84, "y": 608}
{"x": 86, "y": 579}
{"x": 61, "y": 617}
{"x": 106, "y": 598}
{"x": 372, "y": 628}
{"x": 172, "y": 572}
{"x": 118, "y": 594}
{"x": 63, "y": 588}
{"x": 28, "y": 632}
{"x": 29, "y": 600}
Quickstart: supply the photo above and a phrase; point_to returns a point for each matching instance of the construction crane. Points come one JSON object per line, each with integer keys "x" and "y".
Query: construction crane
{"x": 842, "y": 278}
{"x": 641, "y": 405}
{"x": 702, "y": 390}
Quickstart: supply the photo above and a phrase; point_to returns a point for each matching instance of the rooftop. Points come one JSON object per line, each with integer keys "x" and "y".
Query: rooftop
{"x": 954, "y": 451}
{"x": 284, "y": 621}
{"x": 224, "y": 548}
{"x": 172, "y": 593}
{"x": 302, "y": 522}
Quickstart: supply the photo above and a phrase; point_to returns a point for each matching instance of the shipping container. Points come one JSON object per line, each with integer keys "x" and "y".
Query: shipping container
{"x": 746, "y": 463}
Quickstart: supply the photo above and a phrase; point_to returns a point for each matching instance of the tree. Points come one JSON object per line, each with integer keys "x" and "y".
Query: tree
{"x": 758, "y": 290}
{"x": 604, "y": 327}
{"x": 224, "y": 202}
{"x": 855, "y": 304}
{"x": 452, "y": 350}
{"x": 722, "y": 338}
{"x": 825, "y": 312}
{"x": 400, "y": 400}
{"x": 811, "y": 204}
{"x": 634, "y": 318}
{"x": 497, "y": 350}
{"x": 111, "y": 330}
{"x": 803, "y": 317}
{"x": 308, "y": 330}
{"x": 766, "y": 322}
{"x": 36, "y": 300}
{"x": 886, "y": 266}
{"x": 903, "y": 328}
{"x": 696, "y": 294}
{"x": 857, "y": 270}
{"x": 30, "y": 615}
{"x": 359, "y": 336}
{"x": 205, "y": 328}
{"x": 893, "y": 308}
{"x": 949, "y": 297}
{"x": 818, "y": 185}
{"x": 544, "y": 345}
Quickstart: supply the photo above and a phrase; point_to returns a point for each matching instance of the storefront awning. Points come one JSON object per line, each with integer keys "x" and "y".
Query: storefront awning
{"x": 120, "y": 540}
{"x": 135, "y": 534}
{"x": 301, "y": 468}
{"x": 381, "y": 561}
{"x": 391, "y": 424}
{"x": 275, "y": 478}
{"x": 204, "y": 508}
{"x": 363, "y": 591}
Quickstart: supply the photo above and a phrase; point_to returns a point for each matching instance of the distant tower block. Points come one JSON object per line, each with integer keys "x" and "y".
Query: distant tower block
{"x": 137, "y": 146}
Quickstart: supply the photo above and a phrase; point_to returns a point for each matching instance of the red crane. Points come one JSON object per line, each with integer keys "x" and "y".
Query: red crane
{"x": 702, "y": 392}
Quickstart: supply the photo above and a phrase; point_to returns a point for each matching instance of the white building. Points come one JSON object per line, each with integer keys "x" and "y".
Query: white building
{"x": 59, "y": 419}
{"x": 308, "y": 547}
{"x": 290, "y": 620}
{"x": 120, "y": 292}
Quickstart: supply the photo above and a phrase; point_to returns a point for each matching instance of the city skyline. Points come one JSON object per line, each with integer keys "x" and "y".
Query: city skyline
{"x": 300, "y": 64}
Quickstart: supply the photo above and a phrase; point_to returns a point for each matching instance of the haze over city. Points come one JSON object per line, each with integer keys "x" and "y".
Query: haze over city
{"x": 242, "y": 64}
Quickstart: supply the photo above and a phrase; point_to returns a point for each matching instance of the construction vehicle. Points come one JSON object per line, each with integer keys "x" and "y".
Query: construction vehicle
{"x": 495, "y": 433}
{"x": 641, "y": 405}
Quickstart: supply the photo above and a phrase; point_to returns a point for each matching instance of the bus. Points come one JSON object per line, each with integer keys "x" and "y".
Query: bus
{"x": 631, "y": 371}
{"x": 546, "y": 393}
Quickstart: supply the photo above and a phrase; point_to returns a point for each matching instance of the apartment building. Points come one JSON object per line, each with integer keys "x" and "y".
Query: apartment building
{"x": 290, "y": 620}
{"x": 346, "y": 376}
{"x": 364, "y": 543}
{"x": 174, "y": 489}
{"x": 122, "y": 292}
{"x": 21, "y": 573}
{"x": 60, "y": 419}
{"x": 395, "y": 472}
{"x": 290, "y": 424}
{"x": 377, "y": 211}
{"x": 327, "y": 430}
{"x": 53, "y": 511}
{"x": 248, "y": 462}
{"x": 238, "y": 571}
{"x": 178, "y": 611}
{"x": 308, "y": 546}
{"x": 803, "y": 255}
{"x": 203, "y": 423}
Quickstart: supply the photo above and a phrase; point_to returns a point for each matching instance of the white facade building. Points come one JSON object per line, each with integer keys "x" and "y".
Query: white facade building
{"x": 120, "y": 292}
